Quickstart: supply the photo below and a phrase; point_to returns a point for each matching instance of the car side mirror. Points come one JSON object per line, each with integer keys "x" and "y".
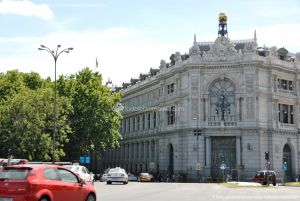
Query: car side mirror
{"x": 81, "y": 181}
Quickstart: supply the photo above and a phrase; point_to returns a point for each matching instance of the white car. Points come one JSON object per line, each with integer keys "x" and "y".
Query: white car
{"x": 117, "y": 175}
{"x": 82, "y": 171}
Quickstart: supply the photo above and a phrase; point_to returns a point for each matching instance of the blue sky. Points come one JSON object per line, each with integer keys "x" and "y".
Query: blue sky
{"x": 129, "y": 37}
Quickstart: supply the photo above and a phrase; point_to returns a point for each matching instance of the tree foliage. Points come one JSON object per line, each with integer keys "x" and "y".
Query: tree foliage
{"x": 87, "y": 120}
{"x": 94, "y": 120}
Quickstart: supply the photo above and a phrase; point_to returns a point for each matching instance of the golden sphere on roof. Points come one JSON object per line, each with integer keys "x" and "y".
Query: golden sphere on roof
{"x": 222, "y": 17}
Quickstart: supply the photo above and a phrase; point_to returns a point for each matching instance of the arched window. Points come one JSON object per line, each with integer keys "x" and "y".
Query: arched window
{"x": 222, "y": 100}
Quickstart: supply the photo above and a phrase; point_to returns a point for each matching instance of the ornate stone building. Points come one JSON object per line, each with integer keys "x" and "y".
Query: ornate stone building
{"x": 226, "y": 102}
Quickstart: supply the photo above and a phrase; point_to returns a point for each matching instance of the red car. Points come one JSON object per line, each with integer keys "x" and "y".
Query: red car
{"x": 43, "y": 183}
{"x": 262, "y": 177}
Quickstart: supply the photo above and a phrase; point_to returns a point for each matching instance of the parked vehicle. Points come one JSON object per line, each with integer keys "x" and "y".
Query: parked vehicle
{"x": 263, "y": 175}
{"x": 83, "y": 172}
{"x": 145, "y": 177}
{"x": 117, "y": 175}
{"x": 4, "y": 162}
{"x": 132, "y": 177}
{"x": 103, "y": 177}
{"x": 97, "y": 177}
{"x": 43, "y": 183}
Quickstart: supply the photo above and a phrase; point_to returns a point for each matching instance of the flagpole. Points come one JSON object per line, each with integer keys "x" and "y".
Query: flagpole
{"x": 96, "y": 66}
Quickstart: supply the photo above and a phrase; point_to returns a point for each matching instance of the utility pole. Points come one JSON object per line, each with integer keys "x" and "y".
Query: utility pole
{"x": 197, "y": 132}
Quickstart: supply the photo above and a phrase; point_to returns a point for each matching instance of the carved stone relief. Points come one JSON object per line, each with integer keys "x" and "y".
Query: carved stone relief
{"x": 195, "y": 84}
{"x": 250, "y": 109}
{"x": 221, "y": 50}
{"x": 195, "y": 106}
{"x": 250, "y": 95}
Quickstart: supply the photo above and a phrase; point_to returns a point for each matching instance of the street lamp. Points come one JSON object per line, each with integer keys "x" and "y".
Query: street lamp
{"x": 197, "y": 132}
{"x": 55, "y": 54}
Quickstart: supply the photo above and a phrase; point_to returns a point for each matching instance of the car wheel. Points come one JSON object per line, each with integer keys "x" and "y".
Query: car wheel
{"x": 44, "y": 199}
{"x": 274, "y": 184}
{"x": 91, "y": 197}
{"x": 109, "y": 182}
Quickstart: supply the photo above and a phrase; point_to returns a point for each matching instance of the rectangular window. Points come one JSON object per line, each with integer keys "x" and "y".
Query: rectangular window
{"x": 285, "y": 116}
{"x": 125, "y": 127}
{"x": 138, "y": 123}
{"x": 284, "y": 84}
{"x": 291, "y": 114}
{"x": 129, "y": 125}
{"x": 154, "y": 120}
{"x": 133, "y": 124}
{"x": 170, "y": 88}
{"x": 149, "y": 121}
{"x": 291, "y": 85}
{"x": 171, "y": 115}
{"x": 143, "y": 122}
{"x": 279, "y": 112}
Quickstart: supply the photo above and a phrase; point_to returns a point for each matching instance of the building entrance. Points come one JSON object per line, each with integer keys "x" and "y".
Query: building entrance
{"x": 171, "y": 161}
{"x": 223, "y": 150}
{"x": 287, "y": 157}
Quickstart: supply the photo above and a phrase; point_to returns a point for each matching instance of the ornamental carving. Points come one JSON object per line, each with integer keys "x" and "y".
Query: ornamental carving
{"x": 221, "y": 50}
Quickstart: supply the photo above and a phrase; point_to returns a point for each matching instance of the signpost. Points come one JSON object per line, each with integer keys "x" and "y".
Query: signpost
{"x": 84, "y": 159}
{"x": 223, "y": 167}
{"x": 285, "y": 168}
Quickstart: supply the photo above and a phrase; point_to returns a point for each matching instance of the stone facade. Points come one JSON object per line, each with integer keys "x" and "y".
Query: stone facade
{"x": 226, "y": 101}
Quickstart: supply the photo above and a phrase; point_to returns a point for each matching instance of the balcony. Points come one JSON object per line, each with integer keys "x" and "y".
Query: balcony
{"x": 221, "y": 123}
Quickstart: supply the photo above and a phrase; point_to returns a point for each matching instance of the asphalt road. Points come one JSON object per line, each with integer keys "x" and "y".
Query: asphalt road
{"x": 135, "y": 191}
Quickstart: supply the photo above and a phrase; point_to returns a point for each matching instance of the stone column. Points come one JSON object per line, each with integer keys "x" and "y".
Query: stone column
{"x": 207, "y": 151}
{"x": 238, "y": 150}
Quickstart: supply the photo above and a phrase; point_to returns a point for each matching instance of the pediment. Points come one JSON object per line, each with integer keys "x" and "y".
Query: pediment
{"x": 221, "y": 50}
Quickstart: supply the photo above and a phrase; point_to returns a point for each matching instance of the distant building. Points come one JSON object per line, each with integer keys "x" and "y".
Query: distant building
{"x": 222, "y": 106}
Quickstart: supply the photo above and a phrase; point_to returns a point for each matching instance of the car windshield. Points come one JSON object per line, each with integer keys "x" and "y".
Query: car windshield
{"x": 14, "y": 173}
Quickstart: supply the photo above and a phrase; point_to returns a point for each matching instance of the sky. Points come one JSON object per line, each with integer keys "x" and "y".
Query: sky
{"x": 128, "y": 37}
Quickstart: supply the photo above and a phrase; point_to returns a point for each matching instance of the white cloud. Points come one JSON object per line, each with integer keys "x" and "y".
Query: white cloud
{"x": 26, "y": 8}
{"x": 122, "y": 52}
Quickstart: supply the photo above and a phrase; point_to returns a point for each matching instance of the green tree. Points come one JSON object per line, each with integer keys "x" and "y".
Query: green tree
{"x": 26, "y": 124}
{"x": 95, "y": 120}
{"x": 10, "y": 83}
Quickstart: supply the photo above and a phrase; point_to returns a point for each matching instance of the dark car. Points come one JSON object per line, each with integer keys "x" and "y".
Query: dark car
{"x": 263, "y": 175}
{"x": 43, "y": 183}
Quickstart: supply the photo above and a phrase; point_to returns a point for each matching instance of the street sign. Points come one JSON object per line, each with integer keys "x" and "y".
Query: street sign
{"x": 84, "y": 159}
{"x": 223, "y": 166}
{"x": 87, "y": 160}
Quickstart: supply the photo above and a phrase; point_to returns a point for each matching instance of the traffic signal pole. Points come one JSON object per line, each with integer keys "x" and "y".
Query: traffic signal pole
{"x": 267, "y": 157}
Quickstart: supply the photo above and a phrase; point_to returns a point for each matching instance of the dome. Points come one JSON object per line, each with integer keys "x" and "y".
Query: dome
{"x": 222, "y": 17}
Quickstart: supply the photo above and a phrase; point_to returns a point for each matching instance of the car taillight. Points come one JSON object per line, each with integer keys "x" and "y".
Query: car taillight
{"x": 122, "y": 175}
{"x": 108, "y": 174}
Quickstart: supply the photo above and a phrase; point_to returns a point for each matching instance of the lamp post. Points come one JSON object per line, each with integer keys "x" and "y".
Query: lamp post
{"x": 197, "y": 132}
{"x": 55, "y": 54}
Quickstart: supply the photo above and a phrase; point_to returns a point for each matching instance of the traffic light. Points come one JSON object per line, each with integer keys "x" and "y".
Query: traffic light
{"x": 267, "y": 155}
{"x": 197, "y": 132}
{"x": 222, "y": 159}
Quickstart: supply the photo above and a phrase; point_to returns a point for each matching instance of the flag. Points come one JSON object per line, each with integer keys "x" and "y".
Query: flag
{"x": 96, "y": 62}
